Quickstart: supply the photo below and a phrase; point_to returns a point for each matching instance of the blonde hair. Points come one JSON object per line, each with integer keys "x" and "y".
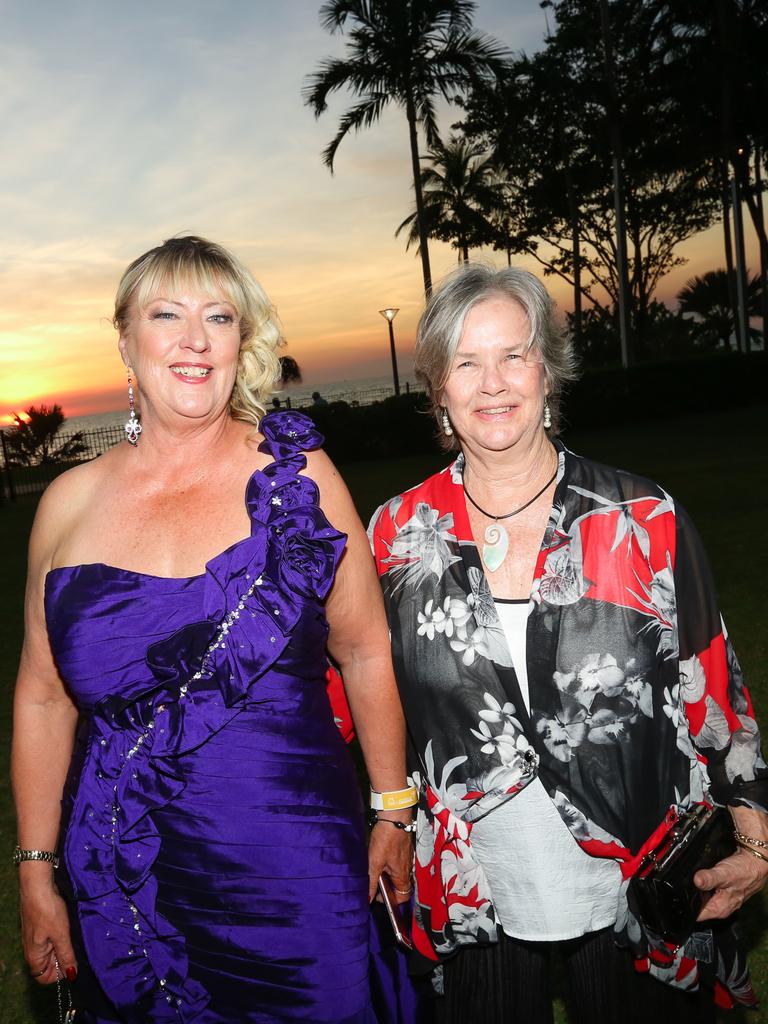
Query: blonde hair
{"x": 196, "y": 262}
{"x": 442, "y": 324}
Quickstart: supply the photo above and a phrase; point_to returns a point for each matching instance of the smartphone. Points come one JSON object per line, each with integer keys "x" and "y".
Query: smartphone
{"x": 398, "y": 913}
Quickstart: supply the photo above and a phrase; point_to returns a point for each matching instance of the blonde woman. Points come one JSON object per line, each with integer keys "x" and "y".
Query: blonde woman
{"x": 175, "y": 750}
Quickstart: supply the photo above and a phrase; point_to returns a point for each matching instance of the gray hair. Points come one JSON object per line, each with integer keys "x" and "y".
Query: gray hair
{"x": 442, "y": 324}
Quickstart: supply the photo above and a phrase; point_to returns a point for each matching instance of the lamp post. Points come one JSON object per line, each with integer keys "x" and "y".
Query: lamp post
{"x": 389, "y": 315}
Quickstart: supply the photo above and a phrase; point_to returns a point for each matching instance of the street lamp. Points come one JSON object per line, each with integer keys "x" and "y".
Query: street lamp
{"x": 389, "y": 315}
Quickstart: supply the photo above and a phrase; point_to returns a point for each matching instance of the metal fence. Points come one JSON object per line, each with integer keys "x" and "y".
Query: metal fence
{"x": 17, "y": 480}
{"x": 352, "y": 396}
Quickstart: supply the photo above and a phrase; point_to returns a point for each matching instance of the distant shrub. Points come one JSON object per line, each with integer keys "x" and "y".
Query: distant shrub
{"x": 403, "y": 426}
{"x": 387, "y": 429}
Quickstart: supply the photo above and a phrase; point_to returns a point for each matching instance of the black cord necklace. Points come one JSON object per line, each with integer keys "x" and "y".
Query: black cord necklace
{"x": 507, "y": 515}
{"x": 496, "y": 537}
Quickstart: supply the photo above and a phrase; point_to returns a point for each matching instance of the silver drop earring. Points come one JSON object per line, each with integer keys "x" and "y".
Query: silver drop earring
{"x": 132, "y": 427}
{"x": 547, "y": 418}
{"x": 447, "y": 428}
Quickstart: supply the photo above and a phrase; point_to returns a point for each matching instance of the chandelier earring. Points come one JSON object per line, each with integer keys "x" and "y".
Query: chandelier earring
{"x": 447, "y": 428}
{"x": 132, "y": 427}
{"x": 547, "y": 418}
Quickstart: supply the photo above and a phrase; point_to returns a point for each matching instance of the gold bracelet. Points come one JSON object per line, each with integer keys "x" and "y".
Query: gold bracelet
{"x": 45, "y": 855}
{"x": 755, "y": 853}
{"x": 741, "y": 838}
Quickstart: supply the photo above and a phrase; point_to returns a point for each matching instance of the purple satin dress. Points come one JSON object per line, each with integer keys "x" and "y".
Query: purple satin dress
{"x": 214, "y": 848}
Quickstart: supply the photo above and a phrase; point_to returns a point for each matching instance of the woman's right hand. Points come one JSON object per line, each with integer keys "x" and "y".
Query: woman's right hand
{"x": 45, "y": 932}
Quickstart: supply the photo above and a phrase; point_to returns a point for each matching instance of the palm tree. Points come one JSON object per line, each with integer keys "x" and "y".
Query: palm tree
{"x": 460, "y": 191}
{"x": 406, "y": 52}
{"x": 708, "y": 298}
{"x": 34, "y": 440}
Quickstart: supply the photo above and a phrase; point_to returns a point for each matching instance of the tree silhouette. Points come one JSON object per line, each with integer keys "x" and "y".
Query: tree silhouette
{"x": 290, "y": 372}
{"x": 671, "y": 335}
{"x": 407, "y": 53}
{"x": 35, "y": 441}
{"x": 460, "y": 193}
{"x": 708, "y": 298}
{"x": 547, "y": 123}
{"x": 715, "y": 57}
{"x": 533, "y": 120}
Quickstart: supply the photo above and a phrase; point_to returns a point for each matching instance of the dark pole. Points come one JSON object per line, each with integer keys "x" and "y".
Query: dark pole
{"x": 742, "y": 320}
{"x": 763, "y": 248}
{"x": 725, "y": 198}
{"x": 618, "y": 189}
{"x": 7, "y": 463}
{"x": 394, "y": 357}
{"x": 410, "y": 112}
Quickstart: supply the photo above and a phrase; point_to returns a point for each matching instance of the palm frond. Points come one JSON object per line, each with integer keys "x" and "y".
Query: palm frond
{"x": 431, "y": 226}
{"x": 467, "y": 58}
{"x": 334, "y": 74}
{"x": 425, "y": 111}
{"x": 362, "y": 115}
{"x": 443, "y": 14}
{"x": 412, "y": 223}
{"x": 334, "y": 14}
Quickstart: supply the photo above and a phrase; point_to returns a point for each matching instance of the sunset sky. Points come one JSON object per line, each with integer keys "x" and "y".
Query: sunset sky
{"x": 126, "y": 123}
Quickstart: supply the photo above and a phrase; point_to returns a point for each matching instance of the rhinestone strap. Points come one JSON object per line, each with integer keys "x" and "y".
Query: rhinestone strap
{"x": 205, "y": 668}
{"x": 741, "y": 838}
{"x": 45, "y": 855}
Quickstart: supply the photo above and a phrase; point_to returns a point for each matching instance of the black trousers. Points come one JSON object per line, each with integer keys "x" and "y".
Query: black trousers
{"x": 510, "y": 983}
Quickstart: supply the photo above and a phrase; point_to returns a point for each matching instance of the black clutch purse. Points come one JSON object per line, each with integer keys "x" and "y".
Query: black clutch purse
{"x": 662, "y": 891}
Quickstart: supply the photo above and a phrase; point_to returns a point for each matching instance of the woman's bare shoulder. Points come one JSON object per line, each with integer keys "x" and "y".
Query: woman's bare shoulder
{"x": 65, "y": 499}
{"x": 79, "y": 483}
{"x": 322, "y": 470}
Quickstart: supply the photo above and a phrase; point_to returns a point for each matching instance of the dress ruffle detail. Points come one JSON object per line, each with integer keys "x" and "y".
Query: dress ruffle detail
{"x": 203, "y": 675}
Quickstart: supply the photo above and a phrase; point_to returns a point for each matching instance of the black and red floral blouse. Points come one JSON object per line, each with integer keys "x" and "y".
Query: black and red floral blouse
{"x": 637, "y": 704}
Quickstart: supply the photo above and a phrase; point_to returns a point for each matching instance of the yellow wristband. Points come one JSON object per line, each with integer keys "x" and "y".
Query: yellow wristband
{"x": 396, "y": 800}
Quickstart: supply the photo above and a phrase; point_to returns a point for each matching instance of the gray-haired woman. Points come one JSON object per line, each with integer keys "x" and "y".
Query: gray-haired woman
{"x": 567, "y": 684}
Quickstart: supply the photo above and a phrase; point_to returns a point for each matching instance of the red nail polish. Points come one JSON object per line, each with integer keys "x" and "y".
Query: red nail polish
{"x": 71, "y": 973}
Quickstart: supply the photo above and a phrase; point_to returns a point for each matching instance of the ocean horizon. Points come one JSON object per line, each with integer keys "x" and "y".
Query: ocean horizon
{"x": 362, "y": 389}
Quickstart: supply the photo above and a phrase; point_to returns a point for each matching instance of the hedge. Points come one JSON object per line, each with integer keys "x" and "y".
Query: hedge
{"x": 403, "y": 426}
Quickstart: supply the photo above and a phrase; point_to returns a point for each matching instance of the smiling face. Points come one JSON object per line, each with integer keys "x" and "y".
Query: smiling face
{"x": 496, "y": 387}
{"x": 183, "y": 348}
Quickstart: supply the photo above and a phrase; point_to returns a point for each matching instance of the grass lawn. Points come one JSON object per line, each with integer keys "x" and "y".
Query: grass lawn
{"x": 716, "y": 465}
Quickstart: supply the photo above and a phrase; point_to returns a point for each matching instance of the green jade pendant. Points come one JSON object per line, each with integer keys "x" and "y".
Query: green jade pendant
{"x": 496, "y": 547}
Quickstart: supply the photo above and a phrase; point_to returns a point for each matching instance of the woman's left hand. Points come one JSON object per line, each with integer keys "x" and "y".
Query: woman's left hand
{"x": 732, "y": 881}
{"x": 390, "y": 853}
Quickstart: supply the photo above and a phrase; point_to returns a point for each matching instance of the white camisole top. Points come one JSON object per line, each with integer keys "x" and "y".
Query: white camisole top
{"x": 544, "y": 886}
